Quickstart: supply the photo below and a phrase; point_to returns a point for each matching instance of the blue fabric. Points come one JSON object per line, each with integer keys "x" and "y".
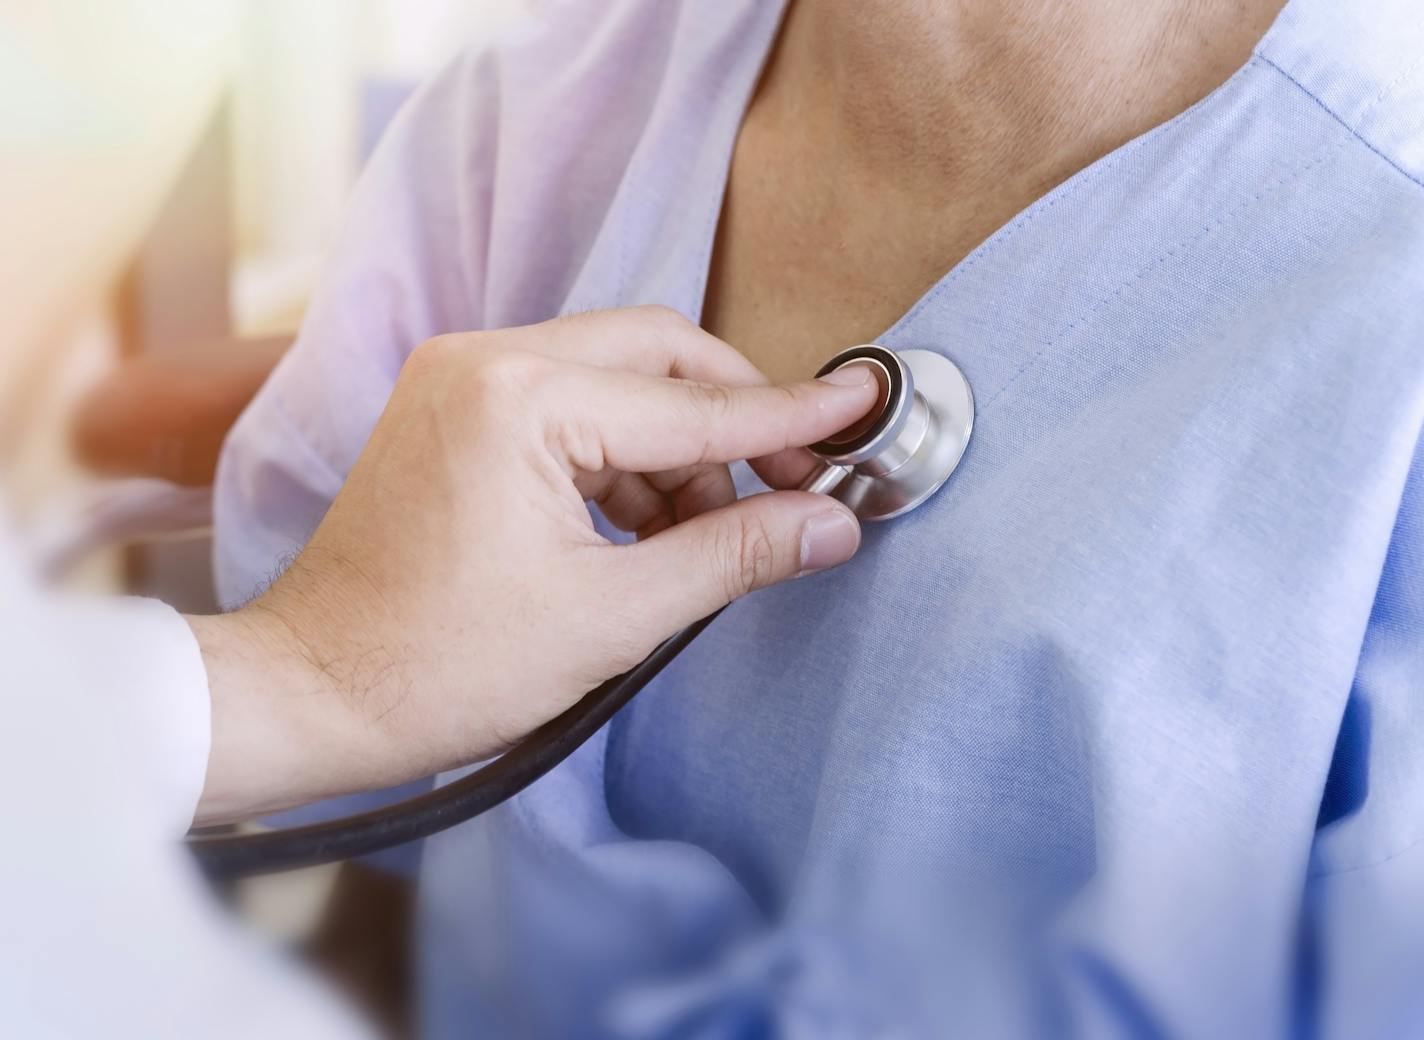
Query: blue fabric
{"x": 1120, "y": 735}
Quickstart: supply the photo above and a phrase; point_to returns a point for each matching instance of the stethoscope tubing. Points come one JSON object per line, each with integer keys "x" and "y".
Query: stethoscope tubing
{"x": 229, "y": 856}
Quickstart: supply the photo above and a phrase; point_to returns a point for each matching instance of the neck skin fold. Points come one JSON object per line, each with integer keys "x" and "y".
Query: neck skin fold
{"x": 944, "y": 92}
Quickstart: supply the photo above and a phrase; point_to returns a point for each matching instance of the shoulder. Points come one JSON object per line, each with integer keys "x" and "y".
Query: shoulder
{"x": 1362, "y": 63}
{"x": 1352, "y": 76}
{"x": 593, "y": 62}
{"x": 537, "y": 133}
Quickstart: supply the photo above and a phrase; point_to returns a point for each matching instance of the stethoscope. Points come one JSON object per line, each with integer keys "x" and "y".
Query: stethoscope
{"x": 883, "y": 466}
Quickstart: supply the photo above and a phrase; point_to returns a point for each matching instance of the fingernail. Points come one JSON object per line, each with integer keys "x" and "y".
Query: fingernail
{"x": 828, "y": 539}
{"x": 849, "y": 375}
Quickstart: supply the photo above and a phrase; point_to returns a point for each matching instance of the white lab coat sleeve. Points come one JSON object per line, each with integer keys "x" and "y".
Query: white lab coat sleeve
{"x": 142, "y": 664}
{"x": 95, "y": 686}
{"x": 106, "y": 927}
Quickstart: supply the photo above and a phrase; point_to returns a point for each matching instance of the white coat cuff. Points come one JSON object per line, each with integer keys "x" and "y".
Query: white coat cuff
{"x": 151, "y": 665}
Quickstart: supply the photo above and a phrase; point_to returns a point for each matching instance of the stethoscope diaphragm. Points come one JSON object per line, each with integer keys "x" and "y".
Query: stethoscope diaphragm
{"x": 905, "y": 449}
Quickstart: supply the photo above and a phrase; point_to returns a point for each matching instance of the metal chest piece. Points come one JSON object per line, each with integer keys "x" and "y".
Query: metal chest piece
{"x": 906, "y": 447}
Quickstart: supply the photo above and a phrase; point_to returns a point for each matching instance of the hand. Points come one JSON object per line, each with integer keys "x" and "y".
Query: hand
{"x": 457, "y": 595}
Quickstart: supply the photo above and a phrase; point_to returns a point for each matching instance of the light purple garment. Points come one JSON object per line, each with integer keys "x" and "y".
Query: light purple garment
{"x": 1121, "y": 734}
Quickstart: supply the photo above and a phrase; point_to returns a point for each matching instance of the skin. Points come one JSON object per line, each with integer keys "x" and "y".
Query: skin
{"x": 857, "y": 182}
{"x": 428, "y": 625}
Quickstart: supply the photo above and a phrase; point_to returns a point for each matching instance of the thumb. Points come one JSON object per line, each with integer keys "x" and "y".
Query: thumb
{"x": 702, "y": 564}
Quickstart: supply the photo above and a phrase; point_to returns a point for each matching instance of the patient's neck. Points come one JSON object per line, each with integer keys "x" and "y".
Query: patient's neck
{"x": 888, "y": 138}
{"x": 1042, "y": 87}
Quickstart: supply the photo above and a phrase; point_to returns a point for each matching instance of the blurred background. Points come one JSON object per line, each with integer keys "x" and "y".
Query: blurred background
{"x": 172, "y": 174}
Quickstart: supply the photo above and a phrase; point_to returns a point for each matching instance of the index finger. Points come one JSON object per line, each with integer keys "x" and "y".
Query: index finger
{"x": 652, "y": 340}
{"x": 644, "y": 424}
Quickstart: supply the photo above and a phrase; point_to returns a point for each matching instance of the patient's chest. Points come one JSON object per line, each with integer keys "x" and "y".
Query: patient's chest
{"x": 1124, "y": 592}
{"x": 1128, "y": 624}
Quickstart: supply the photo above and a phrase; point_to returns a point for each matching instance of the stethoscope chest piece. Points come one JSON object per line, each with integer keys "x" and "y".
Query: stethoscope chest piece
{"x": 904, "y": 450}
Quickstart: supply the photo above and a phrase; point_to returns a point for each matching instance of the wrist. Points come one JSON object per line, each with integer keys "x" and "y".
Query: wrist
{"x": 283, "y": 733}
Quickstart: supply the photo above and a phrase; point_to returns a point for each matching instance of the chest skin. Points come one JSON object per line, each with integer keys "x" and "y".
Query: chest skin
{"x": 813, "y": 254}
{"x": 808, "y": 261}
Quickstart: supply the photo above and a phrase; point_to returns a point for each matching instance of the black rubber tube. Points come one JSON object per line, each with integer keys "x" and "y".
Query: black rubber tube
{"x": 238, "y": 855}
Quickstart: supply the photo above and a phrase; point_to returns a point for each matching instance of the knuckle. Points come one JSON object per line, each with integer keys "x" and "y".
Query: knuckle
{"x": 672, "y": 335}
{"x": 717, "y": 402}
{"x": 752, "y": 555}
{"x": 507, "y": 374}
{"x": 432, "y": 356}
{"x": 581, "y": 442}
{"x": 710, "y": 408}
{"x": 573, "y": 320}
{"x": 790, "y": 401}
{"x": 791, "y": 397}
{"x": 661, "y": 318}
{"x": 451, "y": 357}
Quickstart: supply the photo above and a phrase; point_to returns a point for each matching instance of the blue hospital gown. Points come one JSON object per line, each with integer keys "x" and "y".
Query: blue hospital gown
{"x": 1120, "y": 735}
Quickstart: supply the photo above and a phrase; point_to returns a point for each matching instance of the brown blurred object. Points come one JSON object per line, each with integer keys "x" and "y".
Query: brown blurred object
{"x": 364, "y": 945}
{"x": 166, "y": 417}
{"x": 181, "y": 381}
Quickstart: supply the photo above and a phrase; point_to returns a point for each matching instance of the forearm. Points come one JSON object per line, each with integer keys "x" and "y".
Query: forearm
{"x": 283, "y": 733}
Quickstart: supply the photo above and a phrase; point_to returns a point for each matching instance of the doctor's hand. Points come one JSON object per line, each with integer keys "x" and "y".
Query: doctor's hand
{"x": 456, "y": 595}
